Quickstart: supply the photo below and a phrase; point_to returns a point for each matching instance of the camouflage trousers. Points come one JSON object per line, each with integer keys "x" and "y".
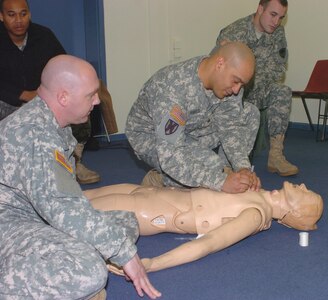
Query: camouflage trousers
{"x": 40, "y": 262}
{"x": 6, "y": 109}
{"x": 277, "y": 101}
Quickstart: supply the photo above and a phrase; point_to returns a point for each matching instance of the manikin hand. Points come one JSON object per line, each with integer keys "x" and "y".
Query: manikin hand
{"x": 241, "y": 181}
{"x": 135, "y": 271}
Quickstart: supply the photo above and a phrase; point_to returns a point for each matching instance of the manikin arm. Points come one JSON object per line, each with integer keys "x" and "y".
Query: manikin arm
{"x": 220, "y": 238}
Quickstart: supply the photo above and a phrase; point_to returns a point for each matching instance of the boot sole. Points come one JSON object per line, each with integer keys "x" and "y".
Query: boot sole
{"x": 274, "y": 170}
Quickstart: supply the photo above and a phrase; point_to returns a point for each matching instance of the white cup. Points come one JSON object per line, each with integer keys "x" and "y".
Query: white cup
{"x": 304, "y": 239}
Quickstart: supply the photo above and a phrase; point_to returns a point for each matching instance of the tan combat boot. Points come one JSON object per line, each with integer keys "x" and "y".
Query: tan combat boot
{"x": 83, "y": 174}
{"x": 100, "y": 296}
{"x": 277, "y": 162}
{"x": 153, "y": 178}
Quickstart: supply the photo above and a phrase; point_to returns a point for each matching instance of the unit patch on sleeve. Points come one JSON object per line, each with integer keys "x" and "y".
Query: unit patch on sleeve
{"x": 172, "y": 124}
{"x": 61, "y": 159}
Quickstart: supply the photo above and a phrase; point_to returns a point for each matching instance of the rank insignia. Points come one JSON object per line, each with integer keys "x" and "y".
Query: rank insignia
{"x": 178, "y": 115}
{"x": 61, "y": 159}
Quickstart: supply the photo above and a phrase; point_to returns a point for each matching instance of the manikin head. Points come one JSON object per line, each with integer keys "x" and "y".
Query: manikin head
{"x": 269, "y": 15}
{"x": 229, "y": 68}
{"x": 304, "y": 207}
{"x": 16, "y": 17}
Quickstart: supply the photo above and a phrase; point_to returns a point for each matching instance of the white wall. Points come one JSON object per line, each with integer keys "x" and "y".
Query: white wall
{"x": 306, "y": 31}
{"x": 141, "y": 35}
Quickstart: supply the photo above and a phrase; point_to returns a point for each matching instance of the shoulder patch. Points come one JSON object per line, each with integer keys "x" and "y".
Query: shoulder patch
{"x": 178, "y": 115}
{"x": 172, "y": 124}
{"x": 61, "y": 159}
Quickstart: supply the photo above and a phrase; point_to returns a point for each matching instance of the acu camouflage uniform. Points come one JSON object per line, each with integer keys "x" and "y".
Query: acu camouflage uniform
{"x": 175, "y": 124}
{"x": 6, "y": 109}
{"x": 53, "y": 244}
{"x": 266, "y": 90}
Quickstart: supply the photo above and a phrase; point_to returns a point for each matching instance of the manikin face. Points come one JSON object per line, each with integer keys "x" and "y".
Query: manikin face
{"x": 270, "y": 16}
{"x": 228, "y": 79}
{"x": 304, "y": 207}
{"x": 16, "y": 18}
{"x": 294, "y": 191}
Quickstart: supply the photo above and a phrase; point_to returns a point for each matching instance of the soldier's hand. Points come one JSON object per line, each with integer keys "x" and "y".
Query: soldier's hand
{"x": 241, "y": 181}
{"x": 254, "y": 180}
{"x": 135, "y": 271}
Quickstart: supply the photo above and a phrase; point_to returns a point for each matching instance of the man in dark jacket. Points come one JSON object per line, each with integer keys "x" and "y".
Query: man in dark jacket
{"x": 25, "y": 48}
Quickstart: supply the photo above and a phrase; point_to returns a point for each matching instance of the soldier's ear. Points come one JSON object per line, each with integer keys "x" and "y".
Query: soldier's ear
{"x": 62, "y": 98}
{"x": 219, "y": 62}
{"x": 260, "y": 9}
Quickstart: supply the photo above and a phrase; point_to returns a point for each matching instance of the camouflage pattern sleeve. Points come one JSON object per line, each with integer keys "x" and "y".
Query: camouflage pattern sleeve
{"x": 57, "y": 197}
{"x": 175, "y": 124}
{"x": 270, "y": 50}
{"x": 192, "y": 165}
{"x": 237, "y": 31}
{"x": 189, "y": 161}
{"x": 192, "y": 161}
{"x": 276, "y": 65}
{"x": 237, "y": 128}
{"x": 39, "y": 168}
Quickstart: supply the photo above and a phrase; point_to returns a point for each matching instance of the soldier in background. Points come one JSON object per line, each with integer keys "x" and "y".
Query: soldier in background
{"x": 265, "y": 35}
{"x": 25, "y": 48}
{"x": 184, "y": 112}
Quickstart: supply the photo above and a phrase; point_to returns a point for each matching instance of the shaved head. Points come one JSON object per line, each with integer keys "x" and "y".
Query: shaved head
{"x": 65, "y": 71}
{"x": 236, "y": 53}
{"x": 229, "y": 67}
{"x": 69, "y": 86}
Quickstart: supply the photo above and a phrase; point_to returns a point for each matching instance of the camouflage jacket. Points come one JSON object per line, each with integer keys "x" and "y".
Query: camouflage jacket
{"x": 37, "y": 184}
{"x": 184, "y": 149}
{"x": 270, "y": 51}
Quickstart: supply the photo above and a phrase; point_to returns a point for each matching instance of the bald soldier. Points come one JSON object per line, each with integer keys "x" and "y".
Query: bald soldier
{"x": 53, "y": 244}
{"x": 189, "y": 122}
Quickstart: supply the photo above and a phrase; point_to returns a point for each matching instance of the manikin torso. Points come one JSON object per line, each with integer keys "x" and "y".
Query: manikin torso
{"x": 195, "y": 211}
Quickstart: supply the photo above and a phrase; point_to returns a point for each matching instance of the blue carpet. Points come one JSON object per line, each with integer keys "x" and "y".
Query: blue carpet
{"x": 269, "y": 265}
